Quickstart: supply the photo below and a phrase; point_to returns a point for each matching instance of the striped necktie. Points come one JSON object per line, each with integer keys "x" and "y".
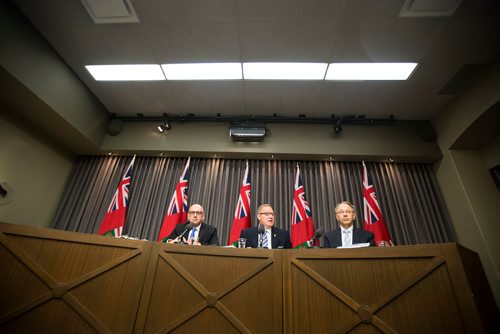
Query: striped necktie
{"x": 347, "y": 238}
{"x": 265, "y": 242}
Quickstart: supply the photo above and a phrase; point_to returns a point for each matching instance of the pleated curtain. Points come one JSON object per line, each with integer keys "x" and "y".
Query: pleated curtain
{"x": 408, "y": 194}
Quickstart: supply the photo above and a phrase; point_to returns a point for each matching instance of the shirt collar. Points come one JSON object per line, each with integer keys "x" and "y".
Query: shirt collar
{"x": 347, "y": 229}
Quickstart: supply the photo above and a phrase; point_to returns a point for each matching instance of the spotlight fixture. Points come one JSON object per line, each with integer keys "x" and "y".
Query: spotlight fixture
{"x": 164, "y": 126}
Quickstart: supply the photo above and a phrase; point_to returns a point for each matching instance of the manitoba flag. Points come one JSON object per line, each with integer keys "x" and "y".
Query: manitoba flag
{"x": 373, "y": 220}
{"x": 114, "y": 220}
{"x": 178, "y": 207}
{"x": 302, "y": 223}
{"x": 242, "y": 215}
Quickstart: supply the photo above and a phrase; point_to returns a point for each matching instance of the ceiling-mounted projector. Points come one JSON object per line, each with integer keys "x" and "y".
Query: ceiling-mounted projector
{"x": 247, "y": 134}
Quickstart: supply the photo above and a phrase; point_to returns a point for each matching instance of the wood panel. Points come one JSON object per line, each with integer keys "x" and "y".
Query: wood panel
{"x": 405, "y": 289}
{"x": 54, "y": 281}
{"x": 218, "y": 290}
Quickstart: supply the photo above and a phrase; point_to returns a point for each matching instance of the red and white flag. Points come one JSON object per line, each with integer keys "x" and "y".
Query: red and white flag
{"x": 242, "y": 214}
{"x": 302, "y": 222}
{"x": 373, "y": 220}
{"x": 114, "y": 220}
{"x": 178, "y": 207}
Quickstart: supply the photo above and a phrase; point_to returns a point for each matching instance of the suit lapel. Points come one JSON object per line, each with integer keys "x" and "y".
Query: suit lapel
{"x": 256, "y": 237}
{"x": 200, "y": 233}
{"x": 337, "y": 237}
{"x": 274, "y": 241}
{"x": 355, "y": 236}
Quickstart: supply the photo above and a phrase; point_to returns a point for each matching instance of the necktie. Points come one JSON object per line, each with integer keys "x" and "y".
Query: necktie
{"x": 191, "y": 235}
{"x": 347, "y": 238}
{"x": 265, "y": 242}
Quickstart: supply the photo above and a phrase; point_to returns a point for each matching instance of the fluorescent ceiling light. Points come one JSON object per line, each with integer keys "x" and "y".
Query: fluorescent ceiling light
{"x": 203, "y": 71}
{"x": 126, "y": 72}
{"x": 284, "y": 71}
{"x": 369, "y": 71}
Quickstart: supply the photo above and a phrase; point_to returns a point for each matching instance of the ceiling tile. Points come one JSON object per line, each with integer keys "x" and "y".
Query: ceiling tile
{"x": 259, "y": 9}
{"x": 211, "y": 10}
{"x": 316, "y": 9}
{"x": 156, "y": 11}
{"x": 215, "y": 41}
{"x": 262, "y": 40}
{"x": 171, "y": 42}
{"x": 311, "y": 40}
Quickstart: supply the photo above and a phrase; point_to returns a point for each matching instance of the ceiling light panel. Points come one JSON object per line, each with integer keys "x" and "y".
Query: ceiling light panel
{"x": 203, "y": 71}
{"x": 369, "y": 71}
{"x": 284, "y": 71}
{"x": 126, "y": 72}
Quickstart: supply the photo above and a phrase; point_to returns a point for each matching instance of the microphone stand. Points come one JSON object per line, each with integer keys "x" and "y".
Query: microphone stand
{"x": 313, "y": 242}
{"x": 188, "y": 227}
{"x": 260, "y": 232}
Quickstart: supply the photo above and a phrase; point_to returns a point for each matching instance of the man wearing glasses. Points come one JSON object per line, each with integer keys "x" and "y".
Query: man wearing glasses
{"x": 272, "y": 236}
{"x": 346, "y": 234}
{"x": 199, "y": 234}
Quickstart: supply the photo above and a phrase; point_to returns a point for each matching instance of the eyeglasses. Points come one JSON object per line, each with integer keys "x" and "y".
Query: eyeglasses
{"x": 266, "y": 213}
{"x": 345, "y": 212}
{"x": 195, "y": 212}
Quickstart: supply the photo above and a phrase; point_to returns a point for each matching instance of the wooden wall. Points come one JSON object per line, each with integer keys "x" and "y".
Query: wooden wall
{"x": 56, "y": 281}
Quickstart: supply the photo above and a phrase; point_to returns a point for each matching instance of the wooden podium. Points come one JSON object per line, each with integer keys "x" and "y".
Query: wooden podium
{"x": 55, "y": 281}
{"x": 405, "y": 289}
{"x": 191, "y": 289}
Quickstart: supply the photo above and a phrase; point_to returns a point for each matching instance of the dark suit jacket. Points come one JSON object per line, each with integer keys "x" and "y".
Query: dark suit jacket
{"x": 333, "y": 238}
{"x": 279, "y": 238}
{"x": 207, "y": 234}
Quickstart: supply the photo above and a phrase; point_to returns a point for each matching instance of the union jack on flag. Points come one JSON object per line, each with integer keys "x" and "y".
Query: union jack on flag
{"x": 373, "y": 220}
{"x": 178, "y": 207}
{"x": 242, "y": 214}
{"x": 302, "y": 222}
{"x": 114, "y": 219}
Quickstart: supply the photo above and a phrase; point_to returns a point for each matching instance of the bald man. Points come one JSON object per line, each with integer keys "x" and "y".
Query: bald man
{"x": 200, "y": 234}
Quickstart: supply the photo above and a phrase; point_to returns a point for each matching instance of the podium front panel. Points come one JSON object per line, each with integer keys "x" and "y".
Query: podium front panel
{"x": 212, "y": 290}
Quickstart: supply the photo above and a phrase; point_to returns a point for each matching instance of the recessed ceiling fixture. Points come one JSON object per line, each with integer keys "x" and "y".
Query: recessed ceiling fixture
{"x": 126, "y": 72}
{"x": 111, "y": 11}
{"x": 254, "y": 71}
{"x": 426, "y": 8}
{"x": 203, "y": 71}
{"x": 369, "y": 71}
{"x": 284, "y": 71}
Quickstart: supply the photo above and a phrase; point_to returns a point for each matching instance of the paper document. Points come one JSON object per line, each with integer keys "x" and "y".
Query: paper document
{"x": 364, "y": 244}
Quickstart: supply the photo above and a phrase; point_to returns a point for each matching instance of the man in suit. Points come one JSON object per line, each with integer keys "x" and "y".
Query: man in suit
{"x": 199, "y": 234}
{"x": 346, "y": 234}
{"x": 273, "y": 236}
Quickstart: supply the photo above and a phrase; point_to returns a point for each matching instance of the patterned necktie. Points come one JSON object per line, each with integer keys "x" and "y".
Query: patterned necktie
{"x": 193, "y": 231}
{"x": 265, "y": 242}
{"x": 347, "y": 238}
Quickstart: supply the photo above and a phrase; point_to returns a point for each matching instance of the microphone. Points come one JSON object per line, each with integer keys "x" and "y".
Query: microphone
{"x": 260, "y": 230}
{"x": 187, "y": 228}
{"x": 317, "y": 234}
